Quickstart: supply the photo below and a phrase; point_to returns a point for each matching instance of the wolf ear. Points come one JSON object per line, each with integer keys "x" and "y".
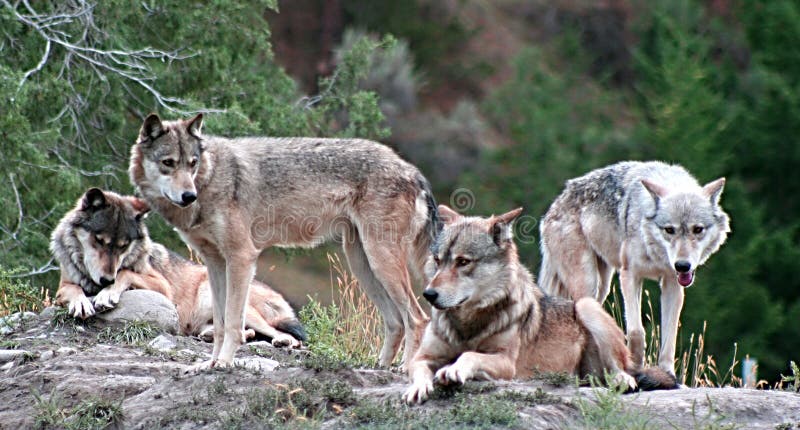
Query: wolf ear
{"x": 195, "y": 124}
{"x": 140, "y": 207}
{"x": 93, "y": 199}
{"x": 713, "y": 190}
{"x": 502, "y": 226}
{"x": 657, "y": 191}
{"x": 151, "y": 128}
{"x": 447, "y": 215}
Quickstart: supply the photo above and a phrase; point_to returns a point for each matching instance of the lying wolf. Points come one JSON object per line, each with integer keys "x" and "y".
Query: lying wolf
{"x": 103, "y": 248}
{"x": 647, "y": 220}
{"x": 231, "y": 198}
{"x": 491, "y": 321}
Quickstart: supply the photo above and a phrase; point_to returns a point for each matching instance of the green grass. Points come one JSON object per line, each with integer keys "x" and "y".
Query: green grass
{"x": 132, "y": 333}
{"x": 18, "y": 296}
{"x": 90, "y": 414}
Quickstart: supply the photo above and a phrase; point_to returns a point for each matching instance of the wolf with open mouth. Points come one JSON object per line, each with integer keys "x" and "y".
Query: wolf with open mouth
{"x": 646, "y": 220}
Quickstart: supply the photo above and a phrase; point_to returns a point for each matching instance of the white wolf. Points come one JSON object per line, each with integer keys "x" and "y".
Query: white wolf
{"x": 645, "y": 219}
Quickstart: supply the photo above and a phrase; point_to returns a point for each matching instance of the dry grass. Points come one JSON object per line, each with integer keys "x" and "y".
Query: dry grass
{"x": 361, "y": 326}
{"x": 694, "y": 367}
{"x": 21, "y": 297}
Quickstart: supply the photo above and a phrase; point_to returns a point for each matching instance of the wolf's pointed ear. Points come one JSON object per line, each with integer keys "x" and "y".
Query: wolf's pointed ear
{"x": 713, "y": 190}
{"x": 502, "y": 226}
{"x": 151, "y": 128}
{"x": 447, "y": 215}
{"x": 140, "y": 207}
{"x": 657, "y": 191}
{"x": 93, "y": 199}
{"x": 195, "y": 125}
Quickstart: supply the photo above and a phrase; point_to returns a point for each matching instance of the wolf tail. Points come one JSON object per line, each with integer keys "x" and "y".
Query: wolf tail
{"x": 433, "y": 224}
{"x": 548, "y": 280}
{"x": 293, "y": 327}
{"x": 655, "y": 378}
{"x": 428, "y": 225}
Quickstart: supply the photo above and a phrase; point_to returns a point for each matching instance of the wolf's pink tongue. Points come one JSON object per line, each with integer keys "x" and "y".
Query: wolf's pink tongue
{"x": 685, "y": 279}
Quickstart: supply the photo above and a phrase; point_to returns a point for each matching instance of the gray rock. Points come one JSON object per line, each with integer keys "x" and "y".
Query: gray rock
{"x": 143, "y": 305}
{"x": 48, "y": 313}
{"x": 10, "y": 323}
{"x": 65, "y": 350}
{"x": 257, "y": 364}
{"x": 46, "y": 355}
{"x": 163, "y": 343}
{"x": 11, "y": 354}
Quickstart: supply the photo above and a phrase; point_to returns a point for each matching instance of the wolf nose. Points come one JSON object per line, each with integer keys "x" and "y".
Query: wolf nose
{"x": 188, "y": 197}
{"x": 104, "y": 281}
{"x": 430, "y": 295}
{"x": 683, "y": 266}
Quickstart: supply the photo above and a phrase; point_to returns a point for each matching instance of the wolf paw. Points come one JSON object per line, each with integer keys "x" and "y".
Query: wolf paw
{"x": 81, "y": 308}
{"x": 623, "y": 379}
{"x": 453, "y": 374}
{"x": 284, "y": 340}
{"x": 106, "y": 299}
{"x": 418, "y": 392}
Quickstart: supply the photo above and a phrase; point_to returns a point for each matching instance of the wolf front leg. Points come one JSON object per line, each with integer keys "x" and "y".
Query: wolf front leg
{"x": 239, "y": 274}
{"x": 671, "y": 305}
{"x": 478, "y": 365}
{"x": 631, "y": 286}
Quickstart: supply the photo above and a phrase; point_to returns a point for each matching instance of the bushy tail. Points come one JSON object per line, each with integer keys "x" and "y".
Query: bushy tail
{"x": 548, "y": 280}
{"x": 433, "y": 224}
{"x": 655, "y": 378}
{"x": 293, "y": 327}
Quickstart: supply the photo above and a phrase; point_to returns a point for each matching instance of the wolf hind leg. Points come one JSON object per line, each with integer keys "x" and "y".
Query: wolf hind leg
{"x": 613, "y": 355}
{"x": 375, "y": 291}
{"x": 569, "y": 258}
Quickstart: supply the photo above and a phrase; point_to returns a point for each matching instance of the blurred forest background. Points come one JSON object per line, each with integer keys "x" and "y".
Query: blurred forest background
{"x": 506, "y": 99}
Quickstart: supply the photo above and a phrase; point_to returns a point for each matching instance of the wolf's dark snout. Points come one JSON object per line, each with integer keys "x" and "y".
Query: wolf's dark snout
{"x": 683, "y": 266}
{"x": 430, "y": 295}
{"x": 188, "y": 197}
{"x": 105, "y": 281}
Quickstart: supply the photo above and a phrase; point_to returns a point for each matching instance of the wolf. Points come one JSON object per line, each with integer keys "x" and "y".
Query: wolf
{"x": 491, "y": 321}
{"x": 230, "y": 198}
{"x": 103, "y": 248}
{"x": 646, "y": 220}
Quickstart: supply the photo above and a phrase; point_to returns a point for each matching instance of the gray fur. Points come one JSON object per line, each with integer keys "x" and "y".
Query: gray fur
{"x": 641, "y": 218}
{"x": 257, "y": 192}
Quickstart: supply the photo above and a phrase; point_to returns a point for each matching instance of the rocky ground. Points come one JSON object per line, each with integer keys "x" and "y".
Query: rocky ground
{"x": 58, "y": 373}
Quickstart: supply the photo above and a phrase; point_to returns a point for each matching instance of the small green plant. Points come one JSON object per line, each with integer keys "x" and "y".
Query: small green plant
{"x": 133, "y": 333}
{"x": 608, "y": 411}
{"x": 9, "y": 344}
{"x": 92, "y": 413}
{"x": 18, "y": 296}
{"x": 792, "y": 380}
{"x": 346, "y": 332}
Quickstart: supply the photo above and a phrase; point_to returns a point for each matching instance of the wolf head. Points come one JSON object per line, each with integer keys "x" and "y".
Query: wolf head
{"x": 107, "y": 227}
{"x": 167, "y": 157}
{"x": 688, "y": 225}
{"x": 470, "y": 259}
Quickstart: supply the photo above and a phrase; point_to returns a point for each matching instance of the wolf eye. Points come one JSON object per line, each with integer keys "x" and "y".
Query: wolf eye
{"x": 437, "y": 261}
{"x": 169, "y": 162}
{"x": 122, "y": 245}
{"x": 461, "y": 261}
{"x": 698, "y": 229}
{"x": 98, "y": 239}
{"x": 193, "y": 162}
{"x": 669, "y": 230}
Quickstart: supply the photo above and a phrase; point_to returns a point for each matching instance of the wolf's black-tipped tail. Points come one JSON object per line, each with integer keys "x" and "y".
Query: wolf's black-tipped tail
{"x": 434, "y": 223}
{"x": 293, "y": 327}
{"x": 655, "y": 378}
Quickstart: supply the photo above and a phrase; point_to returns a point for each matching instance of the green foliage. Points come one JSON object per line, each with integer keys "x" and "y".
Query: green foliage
{"x": 132, "y": 333}
{"x": 90, "y": 414}
{"x": 329, "y": 348}
{"x": 17, "y": 295}
{"x": 792, "y": 380}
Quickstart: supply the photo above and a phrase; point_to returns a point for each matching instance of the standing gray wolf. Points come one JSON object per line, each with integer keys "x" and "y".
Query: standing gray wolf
{"x": 103, "y": 248}
{"x": 231, "y": 198}
{"x": 645, "y": 219}
{"x": 491, "y": 321}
